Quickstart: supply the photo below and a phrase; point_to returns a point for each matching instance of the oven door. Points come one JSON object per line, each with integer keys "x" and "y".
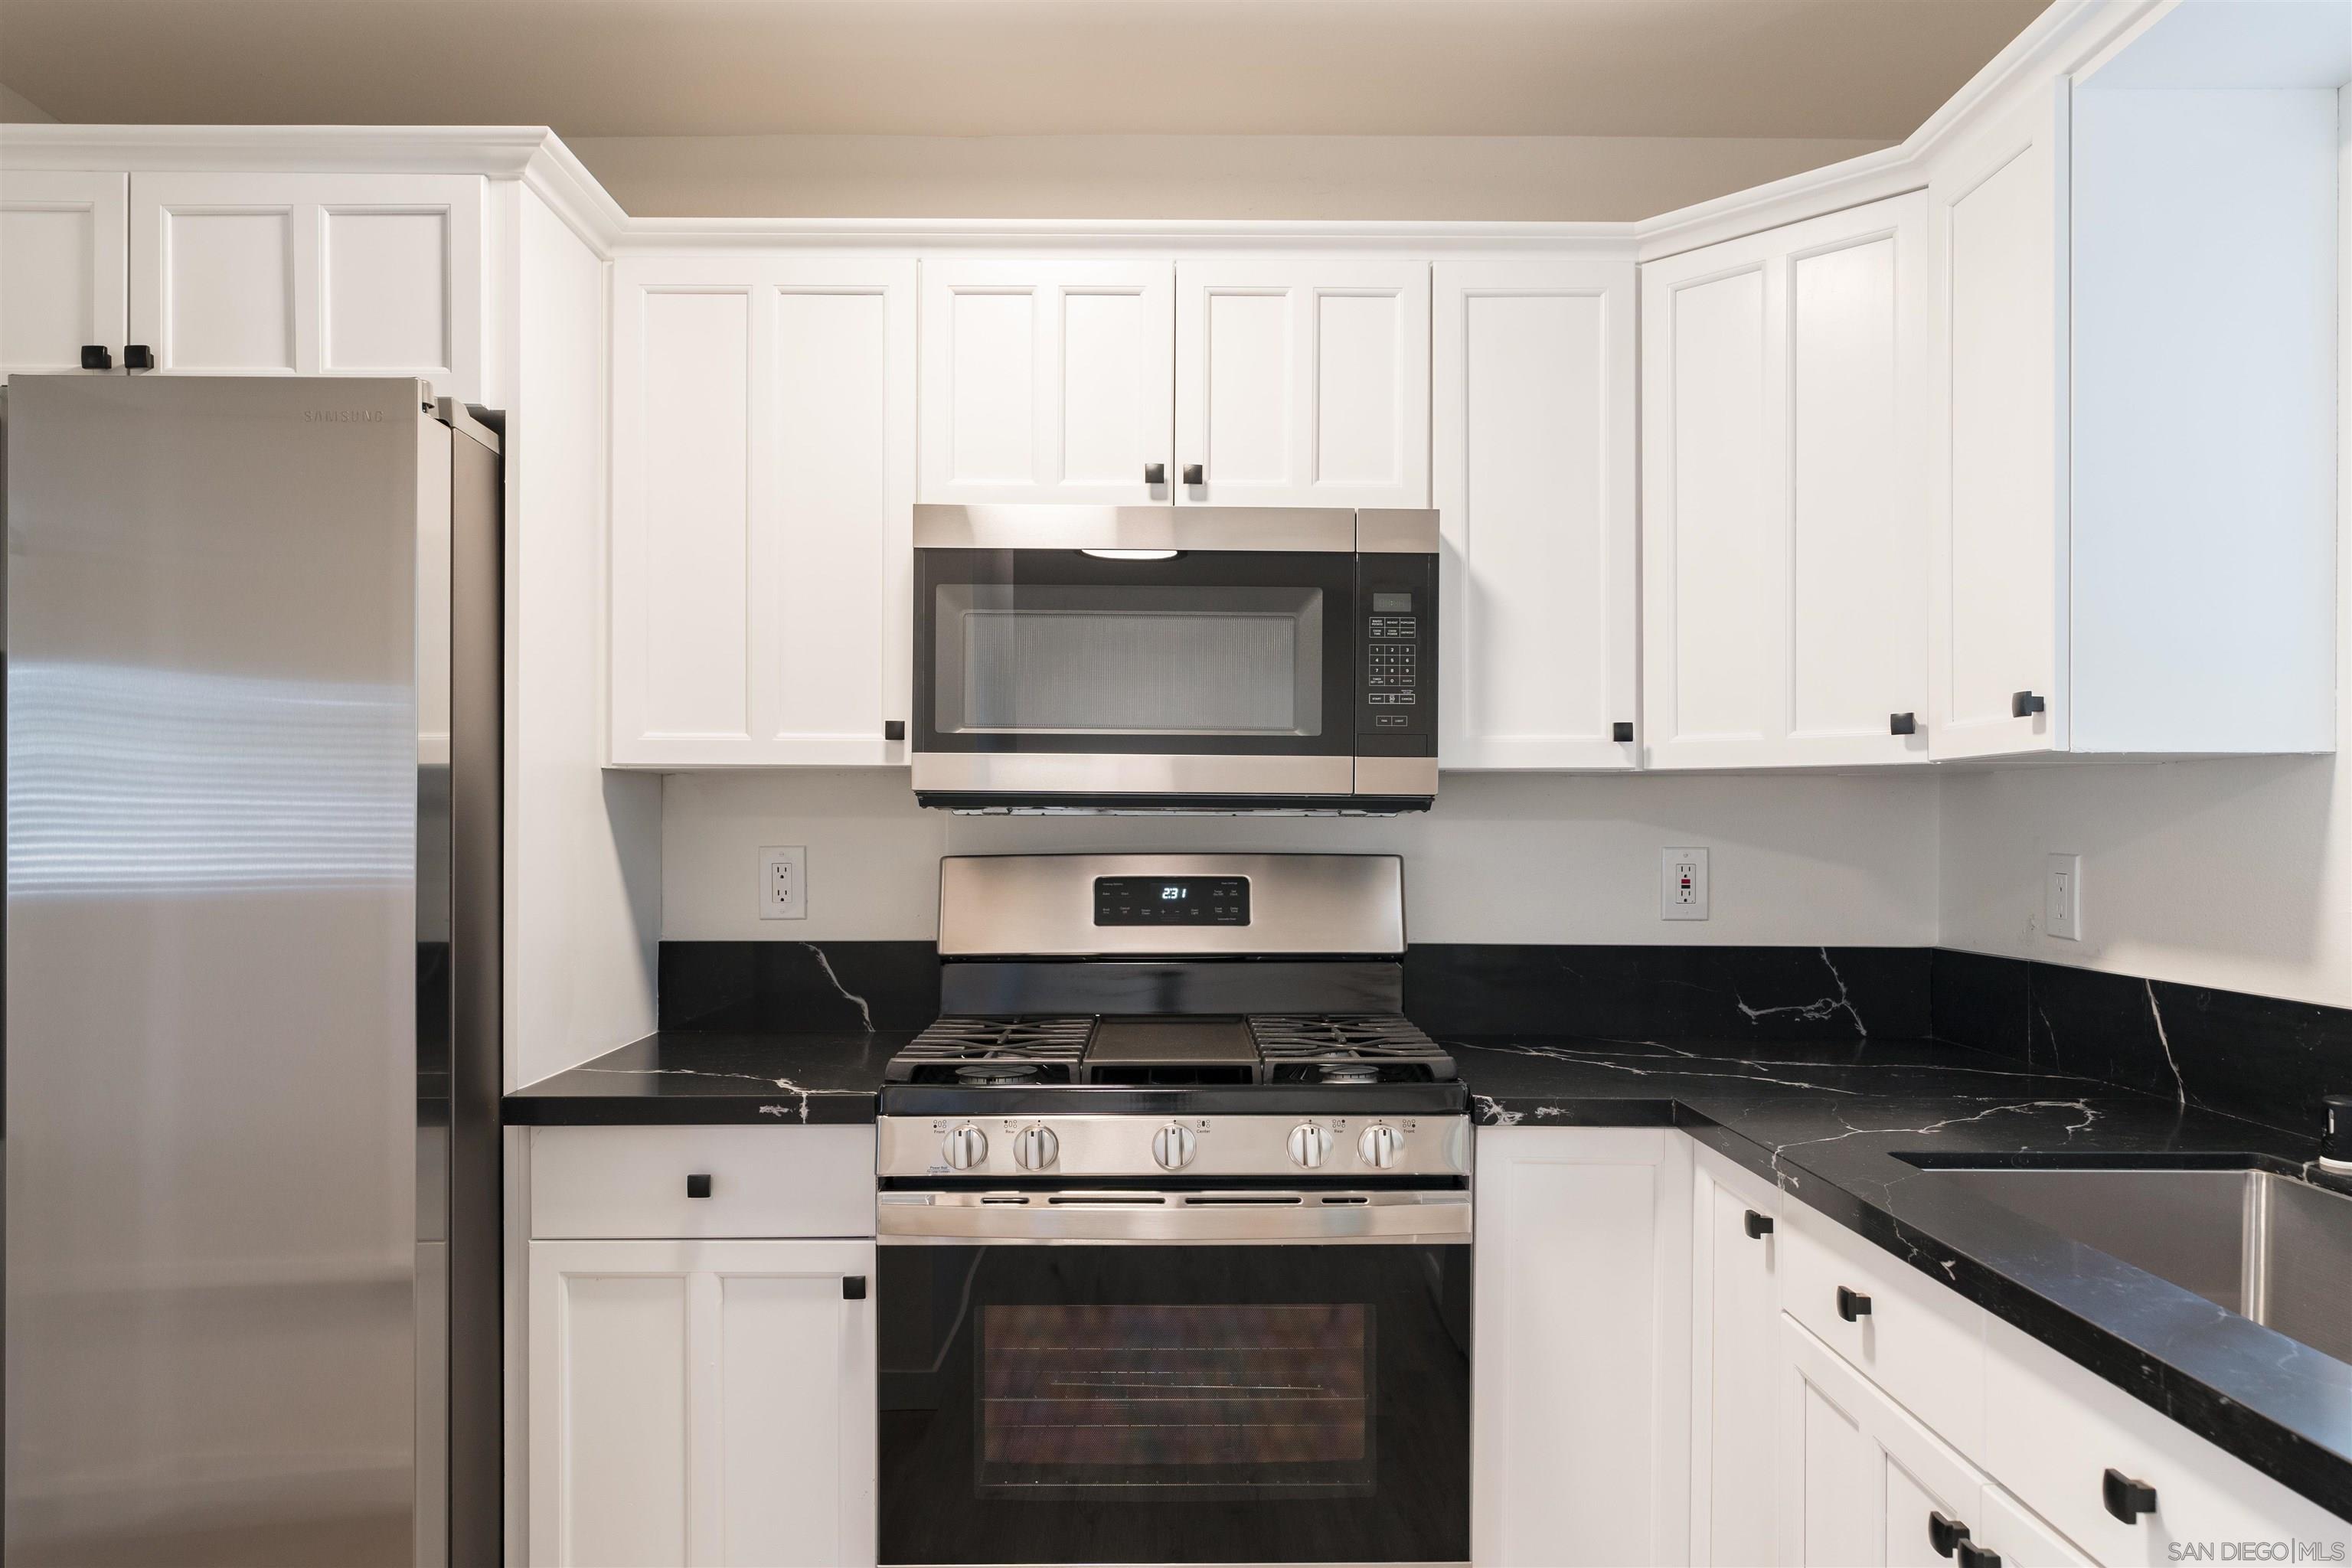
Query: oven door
{"x": 1079, "y": 651}
{"x": 1244, "y": 1378}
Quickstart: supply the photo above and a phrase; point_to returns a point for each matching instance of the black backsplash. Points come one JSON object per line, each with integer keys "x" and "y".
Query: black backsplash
{"x": 2254, "y": 1057}
{"x": 2260, "y": 1057}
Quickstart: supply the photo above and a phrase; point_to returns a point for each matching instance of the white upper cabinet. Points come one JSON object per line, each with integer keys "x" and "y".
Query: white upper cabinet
{"x": 348, "y": 274}
{"x": 763, "y": 421}
{"x": 1784, "y": 516}
{"x": 1046, "y": 381}
{"x": 1302, "y": 381}
{"x": 64, "y": 275}
{"x": 1533, "y": 463}
{"x": 2133, "y": 448}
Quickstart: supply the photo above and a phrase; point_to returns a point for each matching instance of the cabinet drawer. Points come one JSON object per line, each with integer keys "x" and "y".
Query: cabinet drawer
{"x": 603, "y": 1182}
{"x": 1920, "y": 1343}
{"x": 2054, "y": 1429}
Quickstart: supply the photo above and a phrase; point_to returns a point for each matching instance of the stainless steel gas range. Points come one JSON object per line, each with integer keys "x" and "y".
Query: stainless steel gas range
{"x": 1175, "y": 1216}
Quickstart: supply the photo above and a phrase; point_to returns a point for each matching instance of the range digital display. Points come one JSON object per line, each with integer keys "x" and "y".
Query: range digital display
{"x": 1172, "y": 900}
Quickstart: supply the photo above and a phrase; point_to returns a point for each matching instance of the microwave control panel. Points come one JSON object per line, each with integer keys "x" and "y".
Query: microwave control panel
{"x": 1396, "y": 711}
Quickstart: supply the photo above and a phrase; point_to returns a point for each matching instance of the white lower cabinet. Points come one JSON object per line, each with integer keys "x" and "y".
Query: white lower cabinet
{"x": 702, "y": 1403}
{"x": 1735, "y": 1364}
{"x": 1580, "y": 1395}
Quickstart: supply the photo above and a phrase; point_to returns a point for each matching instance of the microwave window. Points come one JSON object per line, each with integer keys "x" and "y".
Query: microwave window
{"x": 1231, "y": 1400}
{"x": 1064, "y": 659}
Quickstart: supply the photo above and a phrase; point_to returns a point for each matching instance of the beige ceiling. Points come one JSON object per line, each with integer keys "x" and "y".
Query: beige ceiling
{"x": 1820, "y": 69}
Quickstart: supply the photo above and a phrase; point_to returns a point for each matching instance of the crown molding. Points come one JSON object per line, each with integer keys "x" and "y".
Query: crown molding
{"x": 2065, "y": 38}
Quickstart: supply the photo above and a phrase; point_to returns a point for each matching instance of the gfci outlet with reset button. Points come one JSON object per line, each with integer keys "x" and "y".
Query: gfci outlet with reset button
{"x": 784, "y": 883}
{"x": 1682, "y": 894}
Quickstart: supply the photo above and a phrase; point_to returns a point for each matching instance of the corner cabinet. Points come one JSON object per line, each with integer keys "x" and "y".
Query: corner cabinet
{"x": 702, "y": 1403}
{"x": 1533, "y": 470}
{"x": 1785, "y": 392}
{"x": 763, "y": 430}
{"x": 357, "y": 273}
{"x": 2133, "y": 433}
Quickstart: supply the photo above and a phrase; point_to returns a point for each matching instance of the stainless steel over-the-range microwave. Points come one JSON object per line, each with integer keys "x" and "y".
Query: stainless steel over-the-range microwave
{"x": 1175, "y": 658}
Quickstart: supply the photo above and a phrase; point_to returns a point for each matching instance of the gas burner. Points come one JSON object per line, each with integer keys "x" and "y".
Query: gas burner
{"x": 997, "y": 1072}
{"x": 1348, "y": 1072}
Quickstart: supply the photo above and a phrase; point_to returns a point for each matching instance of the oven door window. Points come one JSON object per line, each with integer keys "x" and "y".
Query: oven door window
{"x": 1153, "y": 1402}
{"x": 1217, "y": 652}
{"x": 1144, "y": 1404}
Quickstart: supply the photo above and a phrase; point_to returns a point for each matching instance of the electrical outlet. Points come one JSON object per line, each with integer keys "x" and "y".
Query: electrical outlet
{"x": 2061, "y": 897}
{"x": 1682, "y": 894}
{"x": 784, "y": 883}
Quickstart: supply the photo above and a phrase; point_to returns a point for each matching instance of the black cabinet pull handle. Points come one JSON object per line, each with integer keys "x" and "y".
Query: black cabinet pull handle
{"x": 894, "y": 729}
{"x": 852, "y": 1287}
{"x": 2126, "y": 1499}
{"x": 1975, "y": 1556}
{"x": 1903, "y": 724}
{"x": 1193, "y": 475}
{"x": 1851, "y": 1305}
{"x": 138, "y": 357}
{"x": 1621, "y": 732}
{"x": 1944, "y": 1534}
{"x": 1759, "y": 1225}
{"x": 1155, "y": 473}
{"x": 2024, "y": 705}
{"x": 698, "y": 1186}
{"x": 96, "y": 356}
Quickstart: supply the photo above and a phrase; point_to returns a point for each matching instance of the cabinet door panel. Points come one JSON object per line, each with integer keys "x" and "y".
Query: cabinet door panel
{"x": 62, "y": 256}
{"x": 1999, "y": 568}
{"x": 359, "y": 274}
{"x": 1861, "y": 1478}
{"x": 1582, "y": 1398}
{"x": 1784, "y": 533}
{"x": 1738, "y": 1355}
{"x": 1045, "y": 380}
{"x": 1533, "y": 460}
{"x": 763, "y": 411}
{"x": 1303, "y": 381}
{"x": 704, "y": 1402}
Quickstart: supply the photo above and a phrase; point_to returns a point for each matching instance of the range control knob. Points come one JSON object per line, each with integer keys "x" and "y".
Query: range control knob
{"x": 1035, "y": 1148}
{"x": 1309, "y": 1145}
{"x": 1382, "y": 1145}
{"x": 964, "y": 1147}
{"x": 1172, "y": 1146}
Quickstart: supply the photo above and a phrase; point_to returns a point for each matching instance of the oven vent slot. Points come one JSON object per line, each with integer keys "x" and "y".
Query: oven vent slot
{"x": 1012, "y": 1200}
{"x": 1226, "y": 1200}
{"x": 1353, "y": 1199}
{"x": 1103, "y": 1200}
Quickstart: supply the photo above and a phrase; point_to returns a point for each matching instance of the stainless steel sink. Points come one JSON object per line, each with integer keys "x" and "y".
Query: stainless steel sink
{"x": 2266, "y": 1247}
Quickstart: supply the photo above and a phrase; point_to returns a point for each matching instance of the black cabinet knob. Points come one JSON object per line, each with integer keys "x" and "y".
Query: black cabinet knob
{"x": 1975, "y": 1556}
{"x": 852, "y": 1287}
{"x": 96, "y": 356}
{"x": 1901, "y": 724}
{"x": 1621, "y": 732}
{"x": 1192, "y": 473}
{"x": 1759, "y": 1225}
{"x": 1944, "y": 1534}
{"x": 138, "y": 357}
{"x": 2125, "y": 1497}
{"x": 2025, "y": 704}
{"x": 894, "y": 729}
{"x": 698, "y": 1186}
{"x": 1852, "y": 1305}
{"x": 1155, "y": 473}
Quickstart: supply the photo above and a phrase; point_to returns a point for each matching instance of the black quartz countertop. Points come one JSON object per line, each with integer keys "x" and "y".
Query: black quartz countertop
{"x": 710, "y": 1078}
{"x": 1827, "y": 1122}
{"x": 1832, "y": 1123}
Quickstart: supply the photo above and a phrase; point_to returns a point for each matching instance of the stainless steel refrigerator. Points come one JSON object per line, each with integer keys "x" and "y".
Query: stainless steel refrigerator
{"x": 253, "y": 783}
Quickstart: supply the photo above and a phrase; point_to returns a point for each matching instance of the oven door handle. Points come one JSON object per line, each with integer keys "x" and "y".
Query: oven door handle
{"x": 1171, "y": 1218}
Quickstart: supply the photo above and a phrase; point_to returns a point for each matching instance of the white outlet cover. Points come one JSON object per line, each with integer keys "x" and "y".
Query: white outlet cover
{"x": 2061, "y": 897}
{"x": 1682, "y": 883}
{"x": 784, "y": 883}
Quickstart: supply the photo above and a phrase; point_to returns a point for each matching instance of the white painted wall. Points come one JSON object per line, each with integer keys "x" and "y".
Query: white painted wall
{"x": 2235, "y": 873}
{"x": 1525, "y": 857}
{"x": 583, "y": 844}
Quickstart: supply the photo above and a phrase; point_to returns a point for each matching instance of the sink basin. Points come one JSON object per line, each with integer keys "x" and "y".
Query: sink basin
{"x": 2264, "y": 1246}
